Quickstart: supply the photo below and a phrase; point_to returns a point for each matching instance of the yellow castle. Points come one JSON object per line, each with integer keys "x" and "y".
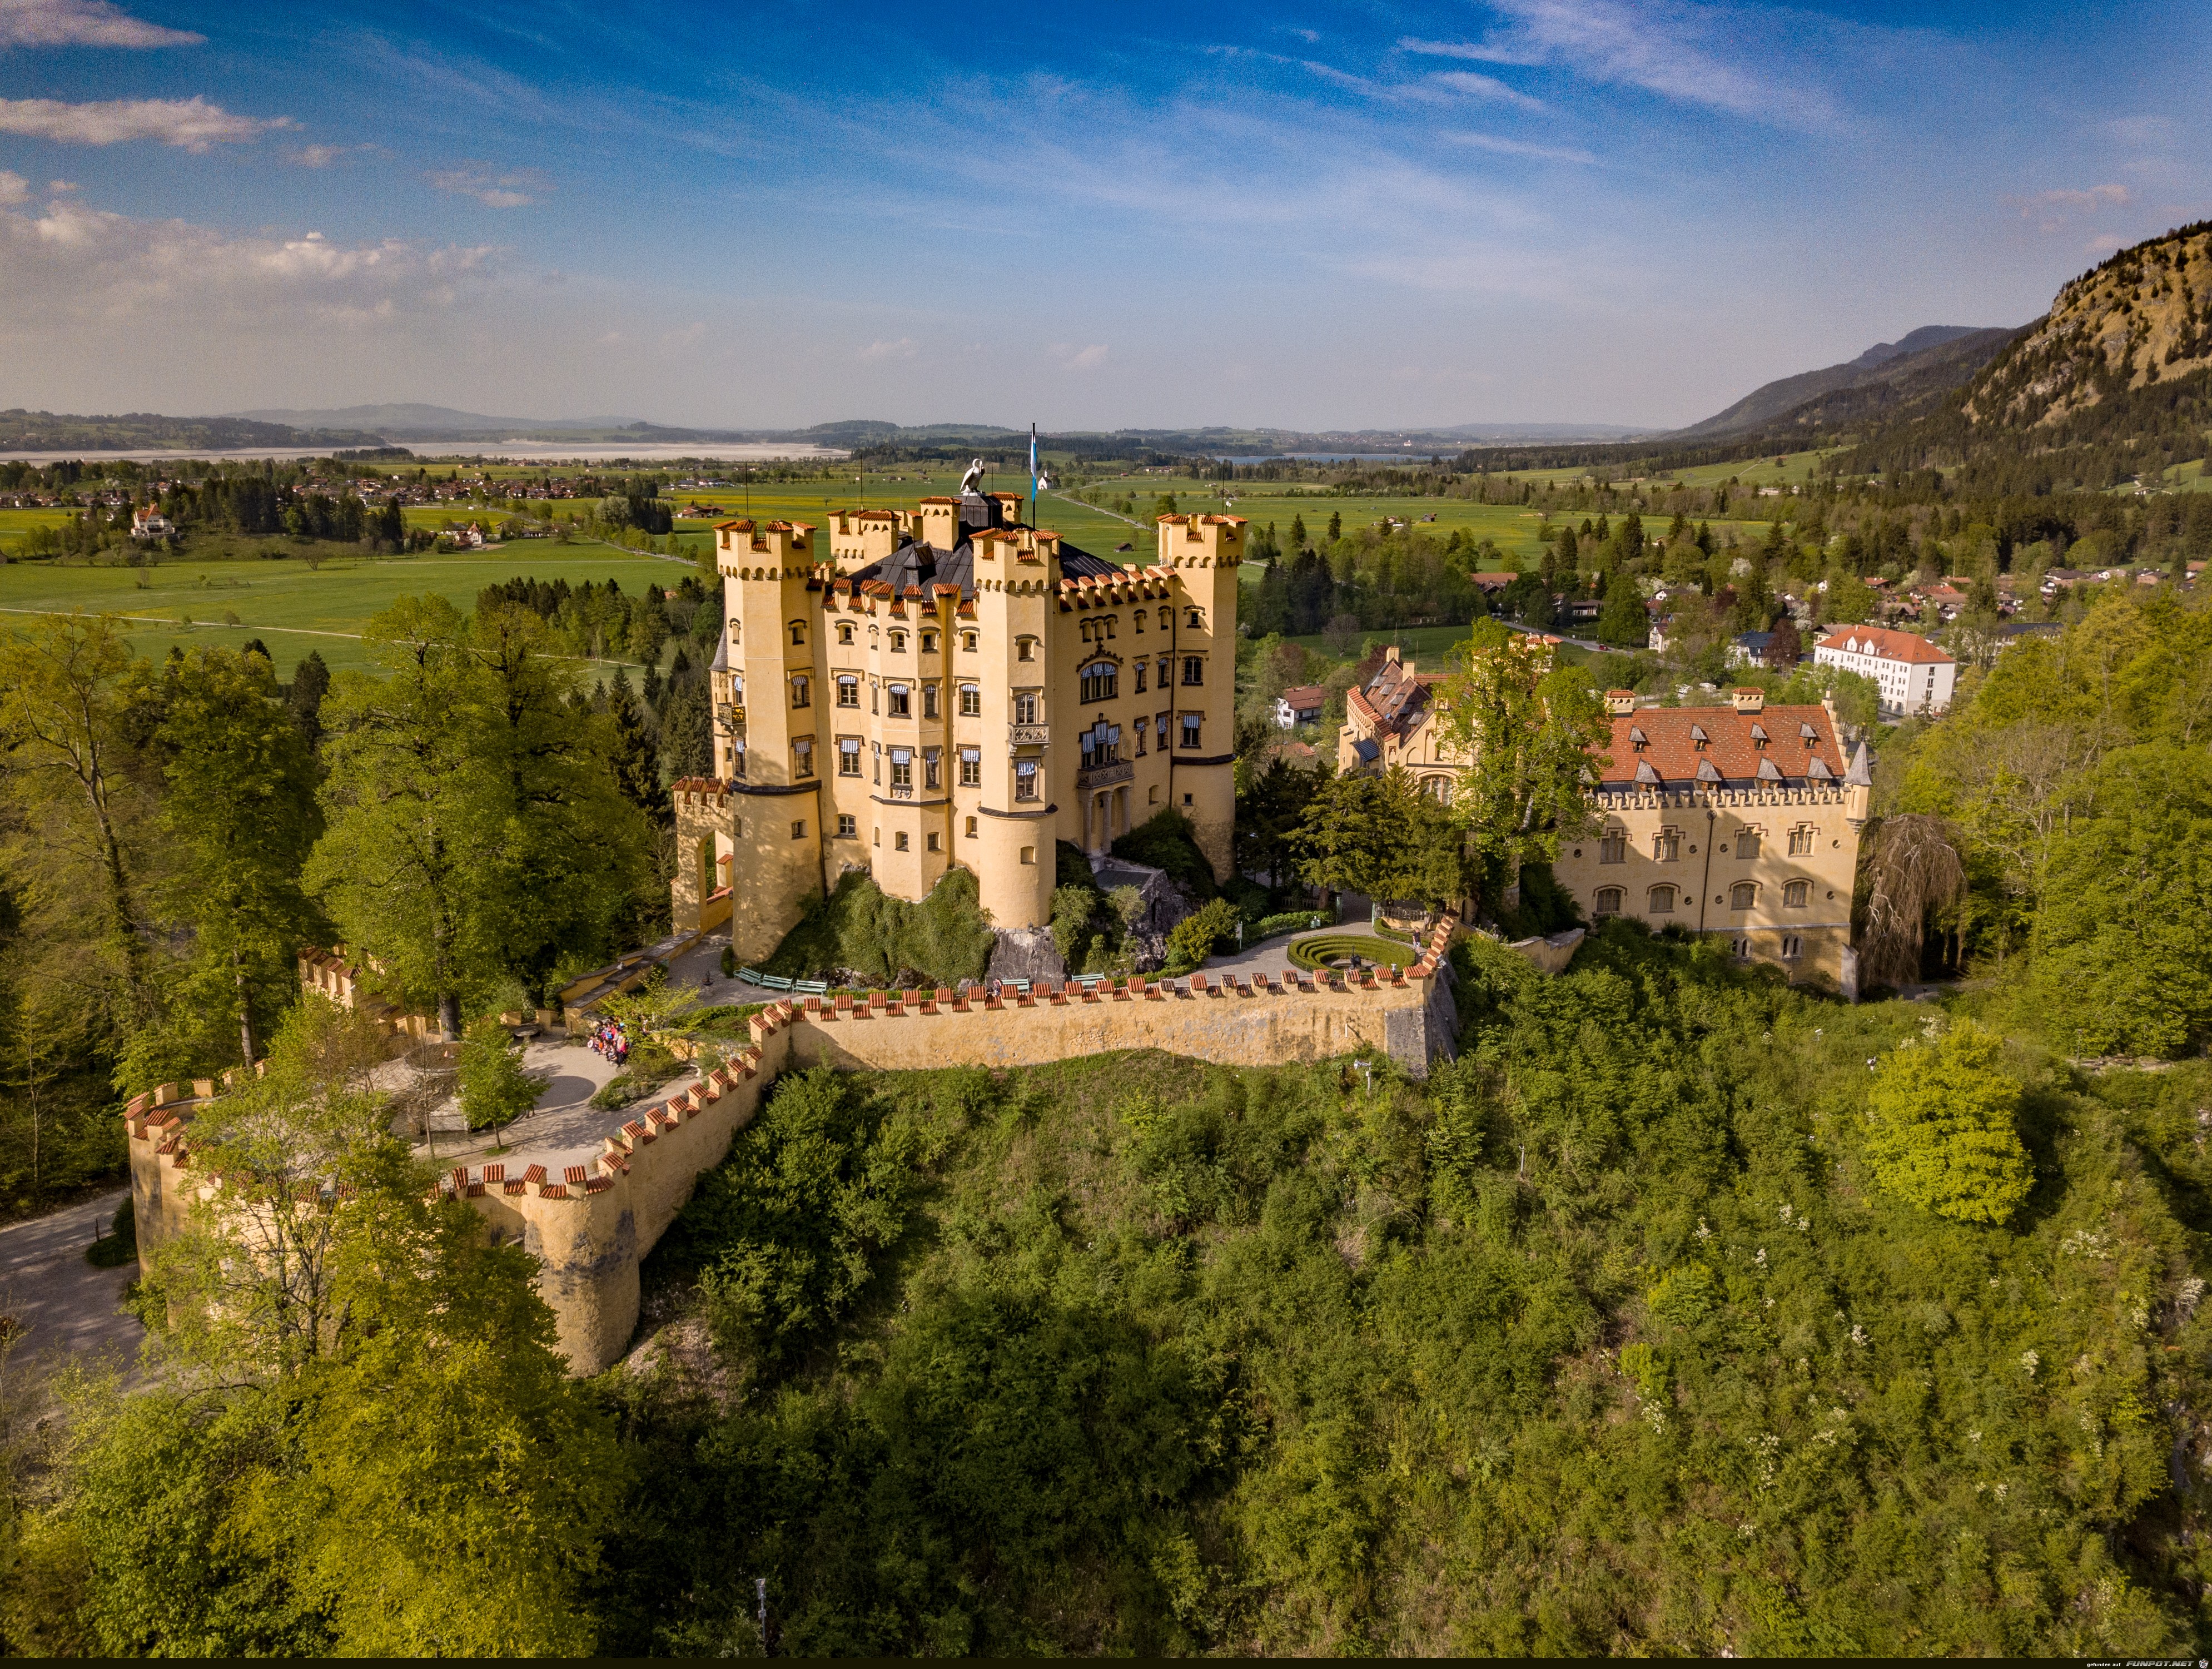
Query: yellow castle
{"x": 947, "y": 687}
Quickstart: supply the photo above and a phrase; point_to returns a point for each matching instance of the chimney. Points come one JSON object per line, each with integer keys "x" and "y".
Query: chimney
{"x": 1620, "y": 703}
{"x": 1390, "y": 655}
{"x": 1748, "y": 698}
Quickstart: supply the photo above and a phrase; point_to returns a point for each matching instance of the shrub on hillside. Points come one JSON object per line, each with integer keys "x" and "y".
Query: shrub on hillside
{"x": 1942, "y": 1134}
{"x": 945, "y": 938}
{"x": 1166, "y": 841}
{"x": 1198, "y": 935}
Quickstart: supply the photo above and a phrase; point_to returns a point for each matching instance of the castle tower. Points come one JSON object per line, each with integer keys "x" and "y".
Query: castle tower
{"x": 1204, "y": 552}
{"x": 771, "y": 738}
{"x": 1017, "y": 815}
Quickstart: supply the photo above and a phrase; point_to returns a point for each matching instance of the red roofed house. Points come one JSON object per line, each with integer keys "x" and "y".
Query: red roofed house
{"x": 1388, "y": 722}
{"x": 1302, "y": 703}
{"x": 1914, "y": 675}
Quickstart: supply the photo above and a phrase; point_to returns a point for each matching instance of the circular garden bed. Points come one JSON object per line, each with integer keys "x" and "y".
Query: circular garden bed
{"x": 1336, "y": 950}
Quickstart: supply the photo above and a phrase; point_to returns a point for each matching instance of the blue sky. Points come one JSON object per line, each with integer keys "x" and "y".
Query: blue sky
{"x": 1135, "y": 215}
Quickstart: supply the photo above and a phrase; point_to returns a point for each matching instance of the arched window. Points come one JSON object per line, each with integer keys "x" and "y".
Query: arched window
{"x": 1100, "y": 681}
{"x": 1438, "y": 788}
{"x": 1796, "y": 894}
{"x": 929, "y": 701}
{"x": 1743, "y": 895}
{"x": 1167, "y": 619}
{"x": 1662, "y": 901}
{"x": 1608, "y": 901}
{"x": 799, "y": 632}
{"x": 848, "y": 690}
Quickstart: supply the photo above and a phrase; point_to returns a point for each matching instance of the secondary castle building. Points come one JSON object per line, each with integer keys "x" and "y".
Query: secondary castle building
{"x": 944, "y": 687}
{"x": 1741, "y": 821}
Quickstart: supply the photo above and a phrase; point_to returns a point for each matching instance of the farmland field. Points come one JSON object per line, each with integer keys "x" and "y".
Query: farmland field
{"x": 293, "y": 608}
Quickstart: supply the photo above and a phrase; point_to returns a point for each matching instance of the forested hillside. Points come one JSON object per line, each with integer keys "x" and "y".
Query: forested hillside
{"x": 1640, "y": 1331}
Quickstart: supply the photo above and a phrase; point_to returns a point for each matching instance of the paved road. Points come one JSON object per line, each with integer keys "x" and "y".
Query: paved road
{"x": 67, "y": 1309}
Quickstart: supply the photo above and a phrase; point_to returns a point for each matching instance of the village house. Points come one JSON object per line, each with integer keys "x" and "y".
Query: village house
{"x": 1913, "y": 675}
{"x": 1302, "y": 703}
{"x": 918, "y": 691}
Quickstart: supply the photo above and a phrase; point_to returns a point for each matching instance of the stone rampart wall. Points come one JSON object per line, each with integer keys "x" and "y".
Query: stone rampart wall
{"x": 590, "y": 1227}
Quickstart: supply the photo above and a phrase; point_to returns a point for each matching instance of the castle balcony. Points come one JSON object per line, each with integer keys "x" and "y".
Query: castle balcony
{"x": 1022, "y": 735}
{"x": 1121, "y": 771}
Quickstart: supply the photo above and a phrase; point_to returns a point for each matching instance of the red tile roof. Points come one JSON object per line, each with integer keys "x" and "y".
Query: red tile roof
{"x": 1306, "y": 695}
{"x": 1680, "y": 745}
{"x": 1888, "y": 644}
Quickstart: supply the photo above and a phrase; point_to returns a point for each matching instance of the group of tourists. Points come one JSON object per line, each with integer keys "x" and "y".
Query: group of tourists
{"x": 610, "y": 1039}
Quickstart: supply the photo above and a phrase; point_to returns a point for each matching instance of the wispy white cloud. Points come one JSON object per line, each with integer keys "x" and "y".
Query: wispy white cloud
{"x": 495, "y": 189}
{"x": 1079, "y": 359}
{"x": 1653, "y": 46}
{"x": 192, "y": 124}
{"x": 2054, "y": 210}
{"x": 325, "y": 156}
{"x": 1519, "y": 147}
{"x": 904, "y": 348}
{"x": 1444, "y": 86}
{"x": 82, "y": 24}
{"x": 14, "y": 188}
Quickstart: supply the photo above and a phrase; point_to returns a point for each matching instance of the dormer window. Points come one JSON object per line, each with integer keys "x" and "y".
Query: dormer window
{"x": 1758, "y": 737}
{"x": 1636, "y": 738}
{"x": 1699, "y": 738}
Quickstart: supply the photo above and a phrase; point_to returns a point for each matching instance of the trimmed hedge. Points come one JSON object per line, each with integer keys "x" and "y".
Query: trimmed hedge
{"x": 1314, "y": 953}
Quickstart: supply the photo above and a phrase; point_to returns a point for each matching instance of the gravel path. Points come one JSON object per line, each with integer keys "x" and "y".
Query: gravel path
{"x": 67, "y": 1310}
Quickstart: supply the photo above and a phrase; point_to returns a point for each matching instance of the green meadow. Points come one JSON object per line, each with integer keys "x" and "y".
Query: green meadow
{"x": 293, "y": 608}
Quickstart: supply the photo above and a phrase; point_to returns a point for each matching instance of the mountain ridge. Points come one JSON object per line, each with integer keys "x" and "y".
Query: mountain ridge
{"x": 1887, "y": 377}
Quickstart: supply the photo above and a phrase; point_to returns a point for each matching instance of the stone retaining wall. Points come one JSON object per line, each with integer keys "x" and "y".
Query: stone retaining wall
{"x": 590, "y": 1227}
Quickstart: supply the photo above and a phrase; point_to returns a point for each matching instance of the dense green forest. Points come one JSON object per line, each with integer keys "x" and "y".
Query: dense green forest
{"x": 1657, "y": 1322}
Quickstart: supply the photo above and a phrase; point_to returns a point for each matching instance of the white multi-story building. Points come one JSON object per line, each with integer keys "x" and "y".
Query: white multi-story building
{"x": 1914, "y": 675}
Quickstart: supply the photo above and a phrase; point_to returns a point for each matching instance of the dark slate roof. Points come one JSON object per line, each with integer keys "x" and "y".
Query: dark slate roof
{"x": 1076, "y": 564}
{"x": 919, "y": 564}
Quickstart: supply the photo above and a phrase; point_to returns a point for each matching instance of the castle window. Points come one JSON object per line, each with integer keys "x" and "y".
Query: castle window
{"x": 1101, "y": 680}
{"x": 1025, "y": 708}
{"x": 898, "y": 642}
{"x": 1025, "y": 779}
{"x": 849, "y": 756}
{"x": 929, "y": 701}
{"x": 1613, "y": 847}
{"x": 1667, "y": 847}
{"x": 1190, "y": 722}
{"x": 1196, "y": 618}
{"x": 971, "y": 828}
{"x": 737, "y": 760}
{"x": 736, "y": 630}
{"x": 845, "y": 632}
{"x": 798, "y": 689}
{"x": 902, "y": 770}
{"x": 1796, "y": 894}
{"x": 1801, "y": 840}
{"x": 1142, "y": 728}
{"x": 901, "y": 700}
{"x": 1029, "y": 854}
{"x": 1793, "y": 946}
{"x": 1162, "y": 734}
{"x": 933, "y": 845}
{"x": 1141, "y": 676}
{"x": 1746, "y": 843}
{"x": 1741, "y": 949}
{"x": 971, "y": 768}
{"x": 799, "y": 632}
{"x": 1193, "y": 669}
{"x": 1167, "y": 619}
{"x": 847, "y": 828}
{"x": 802, "y": 758}
{"x": 968, "y": 642}
{"x": 1662, "y": 901}
{"x": 1101, "y": 745}
{"x": 933, "y": 768}
{"x": 1608, "y": 901}
{"x": 1139, "y": 617}
{"x": 971, "y": 701}
{"x": 929, "y": 643}
{"x": 1743, "y": 895}
{"x": 1438, "y": 788}
{"x": 1108, "y": 624}
{"x": 1025, "y": 649}
{"x": 799, "y": 828}
{"x": 898, "y": 840}
{"x": 849, "y": 690}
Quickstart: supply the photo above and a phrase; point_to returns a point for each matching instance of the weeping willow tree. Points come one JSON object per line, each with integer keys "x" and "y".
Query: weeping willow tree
{"x": 1912, "y": 870}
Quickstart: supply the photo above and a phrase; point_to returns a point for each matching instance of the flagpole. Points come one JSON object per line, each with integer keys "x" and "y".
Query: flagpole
{"x": 1033, "y": 476}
